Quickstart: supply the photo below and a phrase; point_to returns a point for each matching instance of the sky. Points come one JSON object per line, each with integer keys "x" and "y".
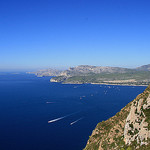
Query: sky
{"x": 61, "y": 33}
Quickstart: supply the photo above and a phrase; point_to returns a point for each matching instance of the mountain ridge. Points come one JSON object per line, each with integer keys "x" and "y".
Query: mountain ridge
{"x": 144, "y": 68}
{"x": 99, "y": 75}
{"x": 88, "y": 69}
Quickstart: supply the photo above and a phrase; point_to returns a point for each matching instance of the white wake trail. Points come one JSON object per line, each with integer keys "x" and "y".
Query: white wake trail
{"x": 57, "y": 119}
{"x": 75, "y": 121}
{"x": 49, "y": 102}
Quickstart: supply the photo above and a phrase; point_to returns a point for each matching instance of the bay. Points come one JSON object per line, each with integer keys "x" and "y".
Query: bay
{"x": 27, "y": 103}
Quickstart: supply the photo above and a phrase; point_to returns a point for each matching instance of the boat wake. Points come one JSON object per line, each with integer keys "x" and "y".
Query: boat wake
{"x": 49, "y": 102}
{"x": 75, "y": 121}
{"x": 60, "y": 118}
{"x": 54, "y": 120}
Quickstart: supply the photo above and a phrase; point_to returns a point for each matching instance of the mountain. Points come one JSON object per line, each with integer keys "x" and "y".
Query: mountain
{"x": 99, "y": 75}
{"x": 86, "y": 69}
{"x": 144, "y": 68}
{"x": 103, "y": 75}
{"x": 80, "y": 70}
{"x": 46, "y": 72}
{"x": 129, "y": 129}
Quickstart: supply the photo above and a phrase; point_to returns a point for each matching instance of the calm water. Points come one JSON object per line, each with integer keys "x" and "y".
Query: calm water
{"x": 27, "y": 103}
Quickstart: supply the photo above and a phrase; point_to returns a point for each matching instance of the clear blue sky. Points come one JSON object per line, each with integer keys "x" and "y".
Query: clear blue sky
{"x": 58, "y": 33}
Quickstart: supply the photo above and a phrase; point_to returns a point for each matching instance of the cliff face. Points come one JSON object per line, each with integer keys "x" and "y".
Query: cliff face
{"x": 128, "y": 129}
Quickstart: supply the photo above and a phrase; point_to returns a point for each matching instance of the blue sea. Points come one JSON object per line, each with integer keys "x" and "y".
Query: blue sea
{"x": 27, "y": 103}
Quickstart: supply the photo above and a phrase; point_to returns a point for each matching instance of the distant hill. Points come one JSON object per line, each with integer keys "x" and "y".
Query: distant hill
{"x": 46, "y": 72}
{"x": 86, "y": 69}
{"x": 99, "y": 75}
{"x": 144, "y": 68}
{"x": 104, "y": 75}
{"x": 129, "y": 129}
{"x": 80, "y": 70}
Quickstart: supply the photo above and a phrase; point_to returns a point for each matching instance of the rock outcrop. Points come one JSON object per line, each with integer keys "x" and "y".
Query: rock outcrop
{"x": 129, "y": 129}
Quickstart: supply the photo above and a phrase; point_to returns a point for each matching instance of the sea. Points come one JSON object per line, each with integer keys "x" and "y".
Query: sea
{"x": 36, "y": 114}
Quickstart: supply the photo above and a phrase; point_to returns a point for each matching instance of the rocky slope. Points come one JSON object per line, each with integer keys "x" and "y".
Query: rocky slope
{"x": 129, "y": 129}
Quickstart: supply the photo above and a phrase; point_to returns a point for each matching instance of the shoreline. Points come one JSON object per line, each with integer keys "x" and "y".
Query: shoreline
{"x": 105, "y": 84}
{"x": 119, "y": 84}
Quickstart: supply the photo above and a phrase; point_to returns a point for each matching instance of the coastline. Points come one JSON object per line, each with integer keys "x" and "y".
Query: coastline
{"x": 120, "y": 84}
{"x": 104, "y": 84}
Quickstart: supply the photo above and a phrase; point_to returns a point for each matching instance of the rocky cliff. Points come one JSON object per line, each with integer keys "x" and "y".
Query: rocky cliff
{"x": 129, "y": 129}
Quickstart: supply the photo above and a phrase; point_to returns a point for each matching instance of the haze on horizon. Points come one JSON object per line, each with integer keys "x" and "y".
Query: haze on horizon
{"x": 37, "y": 34}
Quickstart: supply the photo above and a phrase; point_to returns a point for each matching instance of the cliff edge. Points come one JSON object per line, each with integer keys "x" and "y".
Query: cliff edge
{"x": 129, "y": 129}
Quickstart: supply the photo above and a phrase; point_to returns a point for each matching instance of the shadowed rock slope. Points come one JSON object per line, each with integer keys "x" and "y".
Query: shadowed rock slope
{"x": 129, "y": 129}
